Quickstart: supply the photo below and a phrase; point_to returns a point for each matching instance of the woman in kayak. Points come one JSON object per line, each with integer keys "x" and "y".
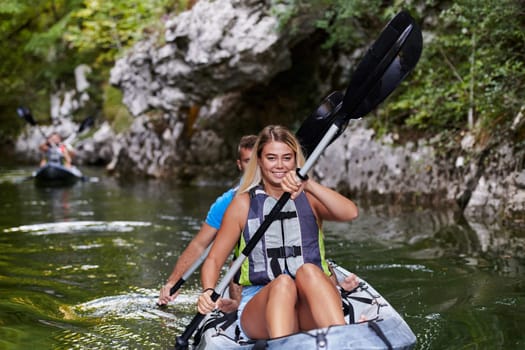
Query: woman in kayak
{"x": 286, "y": 283}
{"x": 55, "y": 151}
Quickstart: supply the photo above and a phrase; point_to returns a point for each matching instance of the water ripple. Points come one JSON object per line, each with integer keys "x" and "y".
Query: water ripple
{"x": 410, "y": 267}
{"x": 141, "y": 305}
{"x": 79, "y": 226}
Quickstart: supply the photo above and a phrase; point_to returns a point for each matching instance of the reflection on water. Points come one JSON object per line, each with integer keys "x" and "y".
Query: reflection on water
{"x": 78, "y": 226}
{"x": 81, "y": 267}
{"x": 141, "y": 303}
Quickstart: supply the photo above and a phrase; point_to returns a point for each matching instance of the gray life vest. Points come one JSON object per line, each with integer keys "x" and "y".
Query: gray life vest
{"x": 291, "y": 240}
{"x": 55, "y": 154}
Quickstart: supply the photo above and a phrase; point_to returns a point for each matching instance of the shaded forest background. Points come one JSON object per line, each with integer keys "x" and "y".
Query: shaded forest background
{"x": 471, "y": 75}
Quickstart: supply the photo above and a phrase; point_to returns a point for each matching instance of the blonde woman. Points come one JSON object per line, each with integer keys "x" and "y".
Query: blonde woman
{"x": 286, "y": 283}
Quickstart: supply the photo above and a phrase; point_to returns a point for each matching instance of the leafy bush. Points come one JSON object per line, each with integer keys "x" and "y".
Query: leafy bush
{"x": 471, "y": 72}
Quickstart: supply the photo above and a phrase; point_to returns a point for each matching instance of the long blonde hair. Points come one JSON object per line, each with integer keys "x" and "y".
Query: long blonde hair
{"x": 252, "y": 175}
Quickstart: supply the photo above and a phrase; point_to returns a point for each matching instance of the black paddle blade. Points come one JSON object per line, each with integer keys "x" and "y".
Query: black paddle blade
{"x": 392, "y": 56}
{"x": 25, "y": 113}
{"x": 387, "y": 62}
{"x": 315, "y": 126}
{"x": 86, "y": 123}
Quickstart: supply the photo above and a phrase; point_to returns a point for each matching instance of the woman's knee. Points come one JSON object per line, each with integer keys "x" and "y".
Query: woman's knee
{"x": 284, "y": 284}
{"x": 309, "y": 273}
{"x": 284, "y": 281}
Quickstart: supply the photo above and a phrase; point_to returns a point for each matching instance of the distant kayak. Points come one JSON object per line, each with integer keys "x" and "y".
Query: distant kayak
{"x": 54, "y": 174}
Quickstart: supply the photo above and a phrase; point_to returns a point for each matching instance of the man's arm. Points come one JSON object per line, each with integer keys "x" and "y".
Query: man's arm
{"x": 198, "y": 245}
{"x": 192, "y": 252}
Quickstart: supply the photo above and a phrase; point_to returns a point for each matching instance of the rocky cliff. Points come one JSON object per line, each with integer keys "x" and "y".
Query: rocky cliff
{"x": 226, "y": 68}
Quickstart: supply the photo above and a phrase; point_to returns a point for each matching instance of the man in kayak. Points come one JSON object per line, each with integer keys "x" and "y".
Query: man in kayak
{"x": 55, "y": 151}
{"x": 207, "y": 233}
{"x": 286, "y": 283}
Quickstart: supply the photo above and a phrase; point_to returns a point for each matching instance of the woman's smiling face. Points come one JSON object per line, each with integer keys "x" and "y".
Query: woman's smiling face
{"x": 275, "y": 161}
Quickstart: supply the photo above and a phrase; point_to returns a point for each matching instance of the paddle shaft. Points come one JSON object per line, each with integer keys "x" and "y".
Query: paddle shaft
{"x": 190, "y": 271}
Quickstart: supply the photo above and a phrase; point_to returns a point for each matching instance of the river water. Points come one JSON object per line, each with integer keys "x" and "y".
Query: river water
{"x": 80, "y": 267}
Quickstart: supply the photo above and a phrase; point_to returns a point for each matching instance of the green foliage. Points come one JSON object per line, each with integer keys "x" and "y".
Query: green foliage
{"x": 350, "y": 22}
{"x": 110, "y": 26}
{"x": 10, "y": 7}
{"x": 346, "y": 21}
{"x": 44, "y": 40}
{"x": 472, "y": 59}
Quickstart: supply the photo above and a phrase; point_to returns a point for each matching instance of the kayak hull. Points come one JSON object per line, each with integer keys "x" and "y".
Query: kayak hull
{"x": 57, "y": 175}
{"x": 348, "y": 337}
{"x": 384, "y": 328}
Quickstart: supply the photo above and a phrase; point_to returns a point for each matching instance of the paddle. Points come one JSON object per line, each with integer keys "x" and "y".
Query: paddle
{"x": 189, "y": 272}
{"x": 381, "y": 70}
{"x": 387, "y": 62}
{"x": 25, "y": 113}
{"x": 393, "y": 54}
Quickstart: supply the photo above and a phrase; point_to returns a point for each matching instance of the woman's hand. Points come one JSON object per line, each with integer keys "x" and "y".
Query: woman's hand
{"x": 205, "y": 304}
{"x": 292, "y": 184}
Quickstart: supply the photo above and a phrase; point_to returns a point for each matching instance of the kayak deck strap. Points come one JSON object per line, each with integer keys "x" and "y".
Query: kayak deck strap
{"x": 377, "y": 330}
{"x": 260, "y": 344}
{"x": 225, "y": 321}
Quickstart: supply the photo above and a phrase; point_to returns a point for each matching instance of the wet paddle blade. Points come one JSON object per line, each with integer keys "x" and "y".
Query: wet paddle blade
{"x": 24, "y": 113}
{"x": 394, "y": 54}
{"x": 86, "y": 123}
{"x": 387, "y": 62}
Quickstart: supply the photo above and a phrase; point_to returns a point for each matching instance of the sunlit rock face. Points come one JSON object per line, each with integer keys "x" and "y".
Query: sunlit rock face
{"x": 187, "y": 87}
{"x": 216, "y": 47}
{"x": 487, "y": 187}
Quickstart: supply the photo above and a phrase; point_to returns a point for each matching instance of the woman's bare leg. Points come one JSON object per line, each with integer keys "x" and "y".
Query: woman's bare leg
{"x": 271, "y": 313}
{"x": 319, "y": 303}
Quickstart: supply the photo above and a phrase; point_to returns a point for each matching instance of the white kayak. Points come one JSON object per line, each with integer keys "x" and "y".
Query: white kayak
{"x": 384, "y": 328}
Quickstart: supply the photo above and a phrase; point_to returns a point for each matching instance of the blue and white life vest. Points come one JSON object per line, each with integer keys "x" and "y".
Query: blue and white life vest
{"x": 292, "y": 239}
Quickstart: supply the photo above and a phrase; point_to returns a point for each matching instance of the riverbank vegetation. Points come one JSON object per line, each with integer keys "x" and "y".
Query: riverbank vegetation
{"x": 470, "y": 77}
{"x": 45, "y": 40}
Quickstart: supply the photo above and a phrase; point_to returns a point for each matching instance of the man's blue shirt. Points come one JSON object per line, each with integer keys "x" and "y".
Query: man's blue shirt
{"x": 217, "y": 210}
